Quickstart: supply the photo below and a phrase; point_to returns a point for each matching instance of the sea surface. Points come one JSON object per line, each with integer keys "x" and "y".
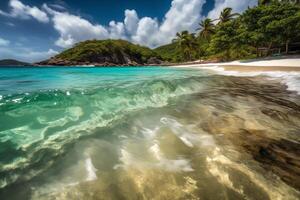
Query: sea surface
{"x": 148, "y": 133}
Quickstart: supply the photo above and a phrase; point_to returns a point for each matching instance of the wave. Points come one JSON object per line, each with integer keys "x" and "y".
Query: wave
{"x": 38, "y": 127}
{"x": 291, "y": 79}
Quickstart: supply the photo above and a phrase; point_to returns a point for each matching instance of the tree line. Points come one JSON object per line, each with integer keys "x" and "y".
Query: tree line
{"x": 235, "y": 36}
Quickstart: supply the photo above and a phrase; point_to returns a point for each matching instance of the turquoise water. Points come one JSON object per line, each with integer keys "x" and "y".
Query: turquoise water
{"x": 107, "y": 133}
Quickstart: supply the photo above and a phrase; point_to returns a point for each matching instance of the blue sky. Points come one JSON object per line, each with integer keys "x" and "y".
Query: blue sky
{"x": 33, "y": 30}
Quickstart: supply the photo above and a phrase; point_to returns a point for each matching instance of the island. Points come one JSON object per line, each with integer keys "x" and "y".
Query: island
{"x": 11, "y": 62}
{"x": 105, "y": 53}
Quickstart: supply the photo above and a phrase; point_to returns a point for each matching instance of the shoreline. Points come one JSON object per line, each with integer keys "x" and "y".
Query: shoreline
{"x": 285, "y": 64}
{"x": 287, "y": 70}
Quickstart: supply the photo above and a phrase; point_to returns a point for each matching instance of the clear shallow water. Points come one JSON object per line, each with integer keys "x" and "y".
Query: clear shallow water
{"x": 126, "y": 133}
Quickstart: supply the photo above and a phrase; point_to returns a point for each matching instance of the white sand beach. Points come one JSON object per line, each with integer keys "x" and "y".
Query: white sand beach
{"x": 286, "y": 70}
{"x": 278, "y": 63}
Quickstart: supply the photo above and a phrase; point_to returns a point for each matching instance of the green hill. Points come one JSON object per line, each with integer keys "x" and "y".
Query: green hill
{"x": 105, "y": 53}
{"x": 10, "y": 62}
{"x": 169, "y": 52}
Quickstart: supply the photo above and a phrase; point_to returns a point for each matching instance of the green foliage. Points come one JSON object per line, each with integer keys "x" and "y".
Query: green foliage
{"x": 207, "y": 28}
{"x": 275, "y": 24}
{"x": 227, "y": 15}
{"x": 170, "y": 52}
{"x": 224, "y": 38}
{"x": 268, "y": 2}
{"x": 91, "y": 49}
{"x": 187, "y": 44}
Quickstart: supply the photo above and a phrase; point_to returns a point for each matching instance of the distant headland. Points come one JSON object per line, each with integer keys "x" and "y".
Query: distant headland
{"x": 105, "y": 53}
{"x": 11, "y": 62}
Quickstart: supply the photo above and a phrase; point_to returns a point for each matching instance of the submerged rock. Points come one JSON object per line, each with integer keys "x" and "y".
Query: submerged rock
{"x": 281, "y": 157}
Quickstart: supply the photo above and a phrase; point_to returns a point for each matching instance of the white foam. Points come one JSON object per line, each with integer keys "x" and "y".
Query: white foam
{"x": 156, "y": 151}
{"x": 148, "y": 133}
{"x": 176, "y": 165}
{"x": 90, "y": 169}
{"x": 187, "y": 136}
{"x": 186, "y": 141}
{"x": 17, "y": 100}
{"x": 291, "y": 79}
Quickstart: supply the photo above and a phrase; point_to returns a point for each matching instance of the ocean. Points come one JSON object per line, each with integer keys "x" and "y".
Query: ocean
{"x": 148, "y": 133}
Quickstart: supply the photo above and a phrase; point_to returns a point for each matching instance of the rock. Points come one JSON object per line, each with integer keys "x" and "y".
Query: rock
{"x": 154, "y": 61}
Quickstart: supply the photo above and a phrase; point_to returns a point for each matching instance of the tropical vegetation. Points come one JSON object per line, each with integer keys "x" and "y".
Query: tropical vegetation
{"x": 271, "y": 24}
{"x": 106, "y": 51}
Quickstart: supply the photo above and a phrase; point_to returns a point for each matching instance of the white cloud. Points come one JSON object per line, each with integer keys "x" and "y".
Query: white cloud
{"x": 131, "y": 21}
{"x": 183, "y": 15}
{"x": 147, "y": 32}
{"x": 117, "y": 30}
{"x": 73, "y": 28}
{"x": 19, "y": 10}
{"x": 236, "y": 5}
{"x": 4, "y": 42}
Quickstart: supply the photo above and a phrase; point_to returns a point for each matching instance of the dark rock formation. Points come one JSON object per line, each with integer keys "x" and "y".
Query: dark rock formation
{"x": 154, "y": 61}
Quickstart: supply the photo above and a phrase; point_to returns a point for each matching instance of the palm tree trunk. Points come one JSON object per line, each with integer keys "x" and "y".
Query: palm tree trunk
{"x": 287, "y": 46}
{"x": 269, "y": 48}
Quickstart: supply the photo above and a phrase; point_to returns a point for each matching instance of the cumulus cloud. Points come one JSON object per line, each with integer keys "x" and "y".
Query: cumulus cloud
{"x": 236, "y": 5}
{"x": 4, "y": 42}
{"x": 116, "y": 30}
{"x": 19, "y": 10}
{"x": 147, "y": 32}
{"x": 131, "y": 21}
{"x": 74, "y": 28}
{"x": 183, "y": 15}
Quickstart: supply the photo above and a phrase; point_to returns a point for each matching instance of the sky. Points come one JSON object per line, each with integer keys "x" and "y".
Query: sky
{"x": 34, "y": 30}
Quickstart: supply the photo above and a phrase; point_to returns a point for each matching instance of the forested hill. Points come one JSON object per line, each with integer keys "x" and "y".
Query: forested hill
{"x": 105, "y": 53}
{"x": 10, "y": 62}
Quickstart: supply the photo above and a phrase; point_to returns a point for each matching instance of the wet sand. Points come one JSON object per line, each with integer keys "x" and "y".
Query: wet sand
{"x": 278, "y": 154}
{"x": 261, "y": 68}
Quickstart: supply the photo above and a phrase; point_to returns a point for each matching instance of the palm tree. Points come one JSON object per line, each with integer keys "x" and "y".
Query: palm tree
{"x": 227, "y": 15}
{"x": 207, "y": 28}
{"x": 186, "y": 43}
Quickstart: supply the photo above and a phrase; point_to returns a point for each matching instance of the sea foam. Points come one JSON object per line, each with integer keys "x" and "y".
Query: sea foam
{"x": 290, "y": 78}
